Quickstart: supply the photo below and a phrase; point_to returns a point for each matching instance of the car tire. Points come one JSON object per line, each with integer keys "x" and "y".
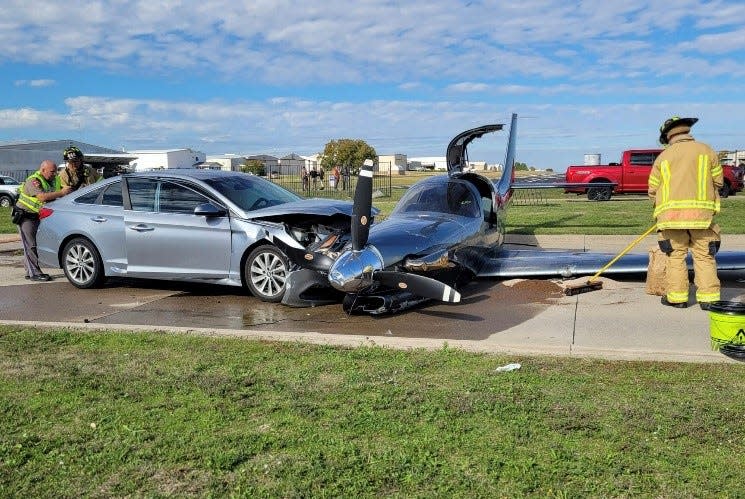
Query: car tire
{"x": 725, "y": 191}
{"x": 599, "y": 193}
{"x": 265, "y": 273}
{"x": 82, "y": 264}
{"x": 6, "y": 201}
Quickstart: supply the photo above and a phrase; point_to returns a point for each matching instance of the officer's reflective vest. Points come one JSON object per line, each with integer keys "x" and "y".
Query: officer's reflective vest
{"x": 32, "y": 204}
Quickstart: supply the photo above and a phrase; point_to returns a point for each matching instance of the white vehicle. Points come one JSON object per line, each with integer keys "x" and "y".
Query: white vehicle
{"x": 8, "y": 191}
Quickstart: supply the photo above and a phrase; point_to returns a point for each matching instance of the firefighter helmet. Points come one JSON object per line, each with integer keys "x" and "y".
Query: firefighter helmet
{"x": 72, "y": 153}
{"x": 675, "y": 122}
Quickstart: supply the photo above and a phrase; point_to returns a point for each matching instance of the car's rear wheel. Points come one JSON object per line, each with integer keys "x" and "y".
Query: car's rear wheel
{"x": 5, "y": 201}
{"x": 265, "y": 273}
{"x": 82, "y": 264}
{"x": 725, "y": 190}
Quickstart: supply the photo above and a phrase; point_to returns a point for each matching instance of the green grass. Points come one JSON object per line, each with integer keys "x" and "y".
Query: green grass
{"x": 6, "y": 226}
{"x": 570, "y": 214}
{"x": 130, "y": 414}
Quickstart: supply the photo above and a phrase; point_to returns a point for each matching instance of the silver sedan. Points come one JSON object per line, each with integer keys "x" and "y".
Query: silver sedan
{"x": 207, "y": 226}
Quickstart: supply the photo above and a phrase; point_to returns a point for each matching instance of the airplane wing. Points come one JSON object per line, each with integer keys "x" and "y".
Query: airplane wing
{"x": 567, "y": 264}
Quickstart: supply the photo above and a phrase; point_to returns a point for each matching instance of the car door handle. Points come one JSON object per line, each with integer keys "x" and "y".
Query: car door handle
{"x": 142, "y": 228}
{"x": 98, "y": 219}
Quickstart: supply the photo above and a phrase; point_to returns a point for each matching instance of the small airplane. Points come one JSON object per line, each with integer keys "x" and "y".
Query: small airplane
{"x": 445, "y": 231}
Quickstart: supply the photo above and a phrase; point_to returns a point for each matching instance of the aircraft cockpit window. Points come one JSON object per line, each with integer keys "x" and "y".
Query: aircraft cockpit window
{"x": 453, "y": 198}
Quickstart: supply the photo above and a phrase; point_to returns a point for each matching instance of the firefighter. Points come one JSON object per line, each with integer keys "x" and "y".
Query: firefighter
{"x": 684, "y": 184}
{"x": 76, "y": 174}
{"x": 41, "y": 186}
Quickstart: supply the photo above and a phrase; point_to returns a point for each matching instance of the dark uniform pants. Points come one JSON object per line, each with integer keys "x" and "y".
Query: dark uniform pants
{"x": 701, "y": 243}
{"x": 28, "y": 228}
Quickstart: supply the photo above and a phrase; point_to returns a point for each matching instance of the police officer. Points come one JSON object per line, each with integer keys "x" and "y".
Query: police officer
{"x": 684, "y": 184}
{"x": 40, "y": 187}
{"x": 76, "y": 174}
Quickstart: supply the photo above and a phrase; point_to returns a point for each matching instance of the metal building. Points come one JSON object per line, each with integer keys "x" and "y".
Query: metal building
{"x": 21, "y": 159}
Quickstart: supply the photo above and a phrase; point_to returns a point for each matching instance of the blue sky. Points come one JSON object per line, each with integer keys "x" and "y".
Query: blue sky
{"x": 282, "y": 76}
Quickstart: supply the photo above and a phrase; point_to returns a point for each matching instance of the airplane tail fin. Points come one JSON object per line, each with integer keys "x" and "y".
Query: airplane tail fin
{"x": 504, "y": 186}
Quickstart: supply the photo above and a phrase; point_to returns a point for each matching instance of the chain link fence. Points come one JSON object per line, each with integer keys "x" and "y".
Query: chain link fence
{"x": 328, "y": 186}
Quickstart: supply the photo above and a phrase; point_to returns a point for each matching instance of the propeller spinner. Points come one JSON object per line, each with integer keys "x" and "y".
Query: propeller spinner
{"x": 356, "y": 270}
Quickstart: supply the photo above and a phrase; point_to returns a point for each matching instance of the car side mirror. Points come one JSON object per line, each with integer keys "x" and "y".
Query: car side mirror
{"x": 210, "y": 210}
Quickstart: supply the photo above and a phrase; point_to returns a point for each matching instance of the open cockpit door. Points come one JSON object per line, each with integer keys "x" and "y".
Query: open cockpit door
{"x": 456, "y": 155}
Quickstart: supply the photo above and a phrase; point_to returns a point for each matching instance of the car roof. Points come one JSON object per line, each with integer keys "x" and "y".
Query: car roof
{"x": 199, "y": 174}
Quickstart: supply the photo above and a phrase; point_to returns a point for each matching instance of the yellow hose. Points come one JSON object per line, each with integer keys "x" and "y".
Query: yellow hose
{"x": 625, "y": 250}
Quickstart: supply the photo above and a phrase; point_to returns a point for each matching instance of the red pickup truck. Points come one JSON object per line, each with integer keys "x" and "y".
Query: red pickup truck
{"x": 630, "y": 176}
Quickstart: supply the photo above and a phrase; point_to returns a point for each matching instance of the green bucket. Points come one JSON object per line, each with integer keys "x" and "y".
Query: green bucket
{"x": 727, "y": 325}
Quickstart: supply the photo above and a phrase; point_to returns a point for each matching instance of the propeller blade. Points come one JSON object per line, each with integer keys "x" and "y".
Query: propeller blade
{"x": 362, "y": 210}
{"x": 316, "y": 261}
{"x": 418, "y": 284}
{"x": 305, "y": 259}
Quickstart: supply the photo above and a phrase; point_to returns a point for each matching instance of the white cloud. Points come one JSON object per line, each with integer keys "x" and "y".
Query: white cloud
{"x": 342, "y": 42}
{"x": 406, "y": 76}
{"x": 34, "y": 83}
{"x": 468, "y": 86}
{"x": 549, "y": 135}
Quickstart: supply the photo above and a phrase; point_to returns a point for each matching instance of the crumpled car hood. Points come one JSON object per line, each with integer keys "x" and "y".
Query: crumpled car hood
{"x": 316, "y": 206}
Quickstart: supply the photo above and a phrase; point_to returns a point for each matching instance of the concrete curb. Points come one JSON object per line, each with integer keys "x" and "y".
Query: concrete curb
{"x": 564, "y": 350}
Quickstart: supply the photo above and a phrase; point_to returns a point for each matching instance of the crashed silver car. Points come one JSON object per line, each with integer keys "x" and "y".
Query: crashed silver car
{"x": 206, "y": 226}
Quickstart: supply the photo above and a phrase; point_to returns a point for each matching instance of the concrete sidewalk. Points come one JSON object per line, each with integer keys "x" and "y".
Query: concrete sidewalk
{"x": 620, "y": 321}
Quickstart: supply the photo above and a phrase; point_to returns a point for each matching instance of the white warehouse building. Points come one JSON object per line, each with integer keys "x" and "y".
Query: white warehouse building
{"x": 229, "y": 162}
{"x": 434, "y": 162}
{"x": 166, "y": 159}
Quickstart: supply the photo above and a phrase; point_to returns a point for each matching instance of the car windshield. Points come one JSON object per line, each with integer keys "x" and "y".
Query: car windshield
{"x": 251, "y": 192}
{"x": 453, "y": 198}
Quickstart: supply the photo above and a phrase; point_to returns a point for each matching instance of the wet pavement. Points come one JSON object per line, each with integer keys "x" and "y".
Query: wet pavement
{"x": 155, "y": 303}
{"x": 517, "y": 316}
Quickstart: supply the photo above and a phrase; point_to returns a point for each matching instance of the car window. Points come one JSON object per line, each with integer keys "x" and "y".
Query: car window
{"x": 112, "y": 196}
{"x": 251, "y": 192}
{"x": 8, "y": 181}
{"x": 142, "y": 193}
{"x": 646, "y": 158}
{"x": 175, "y": 198}
{"x": 88, "y": 197}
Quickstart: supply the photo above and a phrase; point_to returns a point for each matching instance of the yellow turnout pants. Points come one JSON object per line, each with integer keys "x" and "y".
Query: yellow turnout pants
{"x": 704, "y": 265}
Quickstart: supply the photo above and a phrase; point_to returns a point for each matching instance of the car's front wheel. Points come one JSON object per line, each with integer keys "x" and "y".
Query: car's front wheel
{"x": 5, "y": 201}
{"x": 265, "y": 272}
{"x": 82, "y": 264}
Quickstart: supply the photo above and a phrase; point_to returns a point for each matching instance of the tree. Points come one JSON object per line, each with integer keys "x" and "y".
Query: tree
{"x": 520, "y": 166}
{"x": 349, "y": 152}
{"x": 253, "y": 166}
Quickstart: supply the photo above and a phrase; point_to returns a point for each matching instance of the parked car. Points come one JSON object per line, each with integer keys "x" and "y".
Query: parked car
{"x": 8, "y": 191}
{"x": 208, "y": 226}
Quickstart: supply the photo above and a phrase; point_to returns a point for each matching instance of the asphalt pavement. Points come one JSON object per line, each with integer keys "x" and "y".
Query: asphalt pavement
{"x": 516, "y": 317}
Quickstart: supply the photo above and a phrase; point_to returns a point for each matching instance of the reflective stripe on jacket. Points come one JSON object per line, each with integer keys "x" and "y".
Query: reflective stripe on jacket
{"x": 684, "y": 183}
{"x": 32, "y": 204}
